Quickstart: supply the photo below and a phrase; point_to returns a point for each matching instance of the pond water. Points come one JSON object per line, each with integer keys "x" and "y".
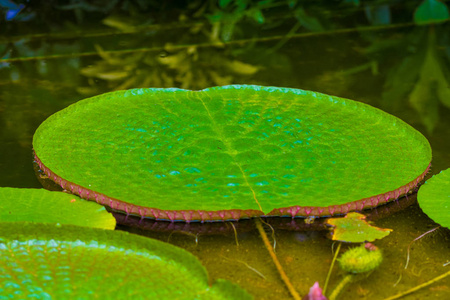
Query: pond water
{"x": 350, "y": 62}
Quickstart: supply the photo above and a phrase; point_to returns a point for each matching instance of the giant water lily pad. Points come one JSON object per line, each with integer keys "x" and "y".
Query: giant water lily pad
{"x": 434, "y": 198}
{"x": 39, "y": 205}
{"x": 230, "y": 152}
{"x": 44, "y": 261}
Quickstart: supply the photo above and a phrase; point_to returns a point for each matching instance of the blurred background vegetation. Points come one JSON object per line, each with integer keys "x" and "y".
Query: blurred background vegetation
{"x": 391, "y": 53}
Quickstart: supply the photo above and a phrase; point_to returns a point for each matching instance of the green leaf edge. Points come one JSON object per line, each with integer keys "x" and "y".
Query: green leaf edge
{"x": 434, "y": 198}
{"x": 43, "y": 206}
{"x": 236, "y": 214}
{"x": 122, "y": 241}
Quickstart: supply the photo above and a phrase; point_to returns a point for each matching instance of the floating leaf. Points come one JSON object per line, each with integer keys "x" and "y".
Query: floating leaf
{"x": 39, "y": 205}
{"x": 434, "y": 198}
{"x": 354, "y": 229}
{"x": 430, "y": 12}
{"x": 46, "y": 261}
{"x": 230, "y": 152}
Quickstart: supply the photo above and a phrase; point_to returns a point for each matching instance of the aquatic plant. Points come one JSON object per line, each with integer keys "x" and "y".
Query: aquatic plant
{"x": 377, "y": 11}
{"x": 232, "y": 34}
{"x": 42, "y": 206}
{"x": 64, "y": 261}
{"x": 434, "y": 198}
{"x": 354, "y": 229}
{"x": 365, "y": 258}
{"x": 271, "y": 249}
{"x": 49, "y": 236}
{"x": 357, "y": 261}
{"x": 315, "y": 293}
{"x": 230, "y": 152}
{"x": 361, "y": 259}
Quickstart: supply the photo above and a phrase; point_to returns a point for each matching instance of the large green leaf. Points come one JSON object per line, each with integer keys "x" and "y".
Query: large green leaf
{"x": 45, "y": 261}
{"x": 38, "y": 205}
{"x": 434, "y": 198}
{"x": 230, "y": 152}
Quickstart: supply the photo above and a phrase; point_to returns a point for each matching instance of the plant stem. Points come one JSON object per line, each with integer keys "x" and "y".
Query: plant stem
{"x": 418, "y": 287}
{"x": 347, "y": 279}
{"x": 277, "y": 263}
{"x": 331, "y": 268}
{"x": 417, "y": 238}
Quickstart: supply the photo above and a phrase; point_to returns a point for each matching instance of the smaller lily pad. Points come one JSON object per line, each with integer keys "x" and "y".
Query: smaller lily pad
{"x": 46, "y": 261}
{"x": 42, "y": 206}
{"x": 354, "y": 228}
{"x": 434, "y": 198}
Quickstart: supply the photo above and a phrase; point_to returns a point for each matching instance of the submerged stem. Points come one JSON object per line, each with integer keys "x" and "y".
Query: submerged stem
{"x": 418, "y": 287}
{"x": 277, "y": 263}
{"x": 331, "y": 268}
{"x": 416, "y": 239}
{"x": 347, "y": 279}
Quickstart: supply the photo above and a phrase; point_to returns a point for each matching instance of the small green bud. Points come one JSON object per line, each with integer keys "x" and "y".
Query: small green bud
{"x": 361, "y": 259}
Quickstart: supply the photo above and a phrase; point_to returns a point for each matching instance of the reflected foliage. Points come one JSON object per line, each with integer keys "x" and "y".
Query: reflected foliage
{"x": 201, "y": 43}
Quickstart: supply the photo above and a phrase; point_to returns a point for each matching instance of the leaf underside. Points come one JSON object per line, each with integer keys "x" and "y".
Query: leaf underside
{"x": 230, "y": 152}
{"x": 49, "y": 262}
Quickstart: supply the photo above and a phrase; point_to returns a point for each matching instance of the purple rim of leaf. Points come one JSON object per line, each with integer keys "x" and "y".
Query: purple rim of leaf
{"x": 231, "y": 214}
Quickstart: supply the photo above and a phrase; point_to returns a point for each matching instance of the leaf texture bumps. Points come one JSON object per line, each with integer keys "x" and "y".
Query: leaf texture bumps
{"x": 46, "y": 261}
{"x": 230, "y": 152}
